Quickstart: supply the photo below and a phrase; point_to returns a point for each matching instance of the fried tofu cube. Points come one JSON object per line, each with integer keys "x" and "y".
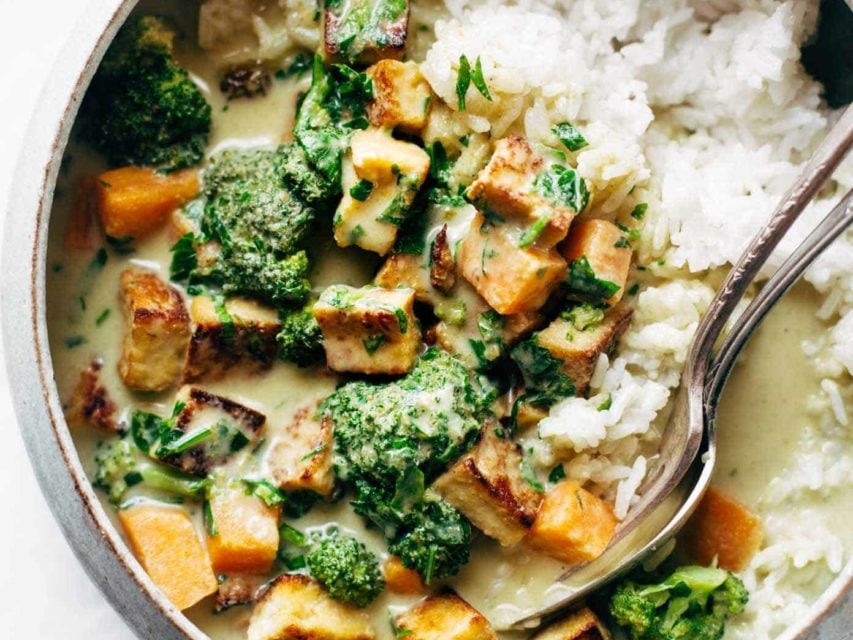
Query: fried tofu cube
{"x": 167, "y": 546}
{"x": 380, "y": 158}
{"x": 472, "y": 330}
{"x": 365, "y": 31}
{"x": 579, "y": 625}
{"x": 579, "y": 349}
{"x": 301, "y": 457}
{"x": 368, "y": 330}
{"x": 405, "y": 270}
{"x": 245, "y": 536}
{"x": 722, "y": 529}
{"x": 296, "y": 608}
{"x": 238, "y": 334}
{"x": 380, "y": 177}
{"x": 445, "y": 616}
{"x": 156, "y": 342}
{"x": 401, "y": 96}
{"x": 223, "y": 427}
{"x": 572, "y": 525}
{"x": 486, "y": 486}
{"x": 508, "y": 186}
{"x": 91, "y": 404}
{"x": 607, "y": 253}
{"x": 400, "y": 579}
{"x": 511, "y": 279}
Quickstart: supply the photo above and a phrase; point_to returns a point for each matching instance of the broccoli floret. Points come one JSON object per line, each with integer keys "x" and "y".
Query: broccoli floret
{"x": 300, "y": 340}
{"x": 142, "y": 107}
{"x": 121, "y": 466}
{"x": 392, "y": 439}
{"x": 346, "y": 568}
{"x": 259, "y": 207}
{"x": 424, "y": 420}
{"x": 436, "y": 540}
{"x": 693, "y": 603}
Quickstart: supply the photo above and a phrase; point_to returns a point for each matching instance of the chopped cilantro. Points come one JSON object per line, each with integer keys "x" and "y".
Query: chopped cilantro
{"x": 372, "y": 343}
{"x": 463, "y": 81}
{"x": 569, "y": 135}
{"x": 361, "y": 190}
{"x": 583, "y": 281}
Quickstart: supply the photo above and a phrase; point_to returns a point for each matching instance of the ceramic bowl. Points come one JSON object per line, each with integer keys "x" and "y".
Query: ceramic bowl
{"x": 97, "y": 544}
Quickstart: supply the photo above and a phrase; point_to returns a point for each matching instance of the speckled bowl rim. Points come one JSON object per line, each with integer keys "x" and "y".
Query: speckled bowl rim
{"x": 87, "y": 527}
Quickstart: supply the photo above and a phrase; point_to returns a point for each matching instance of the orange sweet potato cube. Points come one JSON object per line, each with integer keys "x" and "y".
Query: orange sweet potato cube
{"x": 724, "y": 529}
{"x": 605, "y": 246}
{"x": 512, "y": 279}
{"x": 572, "y": 525}
{"x": 133, "y": 201}
{"x": 166, "y": 544}
{"x": 246, "y": 539}
{"x": 400, "y": 579}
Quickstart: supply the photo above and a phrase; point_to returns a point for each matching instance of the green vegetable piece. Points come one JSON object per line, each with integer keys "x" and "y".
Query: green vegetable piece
{"x": 372, "y": 343}
{"x": 532, "y": 233}
{"x": 331, "y": 111}
{"x": 569, "y": 135}
{"x": 562, "y": 186}
{"x": 361, "y": 190}
{"x": 142, "y": 108}
{"x": 300, "y": 340}
{"x": 463, "y": 81}
{"x": 583, "y": 281}
{"x": 480, "y": 81}
{"x": 264, "y": 490}
{"x": 557, "y": 473}
{"x": 639, "y": 212}
{"x": 544, "y": 380}
{"x": 692, "y": 603}
{"x": 584, "y": 316}
{"x": 120, "y": 466}
{"x": 345, "y": 567}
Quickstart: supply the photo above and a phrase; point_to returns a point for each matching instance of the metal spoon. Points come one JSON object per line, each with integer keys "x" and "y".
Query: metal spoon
{"x": 671, "y": 494}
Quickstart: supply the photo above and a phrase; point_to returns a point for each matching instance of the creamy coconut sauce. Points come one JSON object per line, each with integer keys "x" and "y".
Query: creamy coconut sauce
{"x": 762, "y": 415}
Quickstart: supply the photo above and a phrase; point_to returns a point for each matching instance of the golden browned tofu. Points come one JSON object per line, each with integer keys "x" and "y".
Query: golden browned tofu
{"x": 368, "y": 330}
{"x": 486, "y": 486}
{"x": 442, "y": 271}
{"x": 405, "y": 270}
{"x": 401, "y": 96}
{"x": 579, "y": 625}
{"x": 296, "y": 608}
{"x": 607, "y": 253}
{"x": 217, "y": 426}
{"x": 380, "y": 177}
{"x": 579, "y": 349}
{"x": 509, "y": 186}
{"x": 572, "y": 525}
{"x": 90, "y": 403}
{"x": 445, "y": 616}
{"x": 158, "y": 334}
{"x": 511, "y": 279}
{"x": 301, "y": 457}
{"x": 236, "y": 333}
{"x": 365, "y": 31}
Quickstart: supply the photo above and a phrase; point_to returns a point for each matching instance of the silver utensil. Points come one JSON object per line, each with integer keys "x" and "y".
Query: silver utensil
{"x": 672, "y": 491}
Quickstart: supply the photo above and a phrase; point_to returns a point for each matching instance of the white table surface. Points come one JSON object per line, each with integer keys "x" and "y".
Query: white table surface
{"x": 44, "y": 593}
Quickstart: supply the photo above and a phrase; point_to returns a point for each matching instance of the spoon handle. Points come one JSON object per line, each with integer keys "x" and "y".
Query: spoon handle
{"x": 819, "y": 168}
{"x": 833, "y": 225}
